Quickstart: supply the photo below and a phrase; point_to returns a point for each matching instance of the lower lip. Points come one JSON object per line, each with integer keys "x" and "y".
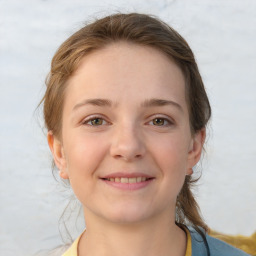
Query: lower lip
{"x": 128, "y": 186}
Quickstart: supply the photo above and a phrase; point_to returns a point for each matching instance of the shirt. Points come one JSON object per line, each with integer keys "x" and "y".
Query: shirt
{"x": 195, "y": 246}
{"x": 245, "y": 243}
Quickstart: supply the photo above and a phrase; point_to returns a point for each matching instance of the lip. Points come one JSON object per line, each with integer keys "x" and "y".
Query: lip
{"x": 128, "y": 186}
{"x": 126, "y": 175}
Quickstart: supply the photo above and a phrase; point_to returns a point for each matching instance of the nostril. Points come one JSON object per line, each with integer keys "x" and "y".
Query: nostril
{"x": 127, "y": 146}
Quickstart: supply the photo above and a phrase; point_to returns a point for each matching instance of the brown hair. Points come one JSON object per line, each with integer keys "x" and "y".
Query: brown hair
{"x": 144, "y": 30}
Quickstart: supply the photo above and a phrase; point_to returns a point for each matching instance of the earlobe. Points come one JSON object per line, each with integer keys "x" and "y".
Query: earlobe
{"x": 196, "y": 149}
{"x": 63, "y": 175}
{"x": 56, "y": 148}
{"x": 189, "y": 171}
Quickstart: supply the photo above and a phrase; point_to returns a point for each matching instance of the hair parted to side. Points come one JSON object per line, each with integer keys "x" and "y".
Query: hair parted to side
{"x": 139, "y": 29}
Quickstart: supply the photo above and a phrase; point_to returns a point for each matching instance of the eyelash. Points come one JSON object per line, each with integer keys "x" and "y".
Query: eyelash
{"x": 86, "y": 121}
{"x": 167, "y": 122}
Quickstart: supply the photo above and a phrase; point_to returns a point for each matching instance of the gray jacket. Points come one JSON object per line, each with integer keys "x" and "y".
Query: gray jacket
{"x": 216, "y": 246}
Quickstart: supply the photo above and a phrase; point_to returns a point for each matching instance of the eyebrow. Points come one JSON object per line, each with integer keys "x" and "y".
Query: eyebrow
{"x": 94, "y": 102}
{"x": 147, "y": 103}
{"x": 160, "y": 102}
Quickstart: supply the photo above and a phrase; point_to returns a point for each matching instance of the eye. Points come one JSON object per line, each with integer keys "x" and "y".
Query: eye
{"x": 95, "y": 121}
{"x": 160, "y": 121}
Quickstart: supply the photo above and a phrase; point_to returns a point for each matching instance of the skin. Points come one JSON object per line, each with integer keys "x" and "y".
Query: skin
{"x": 127, "y": 136}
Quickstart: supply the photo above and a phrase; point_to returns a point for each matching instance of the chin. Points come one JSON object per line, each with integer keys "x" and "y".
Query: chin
{"x": 127, "y": 215}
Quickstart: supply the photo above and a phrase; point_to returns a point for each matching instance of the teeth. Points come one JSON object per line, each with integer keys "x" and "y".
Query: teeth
{"x": 124, "y": 180}
{"x": 138, "y": 179}
{"x": 132, "y": 180}
{"x": 127, "y": 180}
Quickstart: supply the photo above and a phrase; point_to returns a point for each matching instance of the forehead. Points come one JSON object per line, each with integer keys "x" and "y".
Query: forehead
{"x": 125, "y": 53}
{"x": 122, "y": 69}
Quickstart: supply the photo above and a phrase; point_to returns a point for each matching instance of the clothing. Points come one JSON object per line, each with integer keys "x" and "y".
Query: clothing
{"x": 195, "y": 246}
{"x": 245, "y": 243}
{"x": 216, "y": 246}
{"x": 72, "y": 251}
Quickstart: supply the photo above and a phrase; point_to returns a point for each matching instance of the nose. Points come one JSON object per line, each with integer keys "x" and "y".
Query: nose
{"x": 127, "y": 143}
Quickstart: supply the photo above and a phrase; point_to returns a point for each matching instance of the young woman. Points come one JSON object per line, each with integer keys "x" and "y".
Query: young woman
{"x": 126, "y": 112}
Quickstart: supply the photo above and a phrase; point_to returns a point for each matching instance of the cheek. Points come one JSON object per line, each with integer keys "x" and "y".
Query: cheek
{"x": 171, "y": 155}
{"x": 173, "y": 164}
{"x": 83, "y": 154}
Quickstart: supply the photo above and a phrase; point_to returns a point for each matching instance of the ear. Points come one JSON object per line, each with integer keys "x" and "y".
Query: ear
{"x": 195, "y": 150}
{"x": 58, "y": 154}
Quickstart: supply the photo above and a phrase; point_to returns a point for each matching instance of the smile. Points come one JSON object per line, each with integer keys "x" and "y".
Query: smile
{"x": 128, "y": 180}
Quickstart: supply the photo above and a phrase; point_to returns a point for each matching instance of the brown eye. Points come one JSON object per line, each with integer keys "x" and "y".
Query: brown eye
{"x": 159, "y": 121}
{"x": 96, "y": 121}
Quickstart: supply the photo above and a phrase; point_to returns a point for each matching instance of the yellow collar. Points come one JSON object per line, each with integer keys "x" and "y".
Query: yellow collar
{"x": 72, "y": 251}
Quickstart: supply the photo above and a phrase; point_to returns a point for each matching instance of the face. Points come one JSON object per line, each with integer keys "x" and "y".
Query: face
{"x": 126, "y": 144}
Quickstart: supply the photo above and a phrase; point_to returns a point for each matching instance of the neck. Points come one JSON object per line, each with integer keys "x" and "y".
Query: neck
{"x": 151, "y": 237}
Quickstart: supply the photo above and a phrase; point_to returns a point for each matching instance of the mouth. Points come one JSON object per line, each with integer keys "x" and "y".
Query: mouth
{"x": 128, "y": 180}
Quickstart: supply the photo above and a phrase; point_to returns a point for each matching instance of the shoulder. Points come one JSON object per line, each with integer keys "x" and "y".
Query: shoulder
{"x": 216, "y": 246}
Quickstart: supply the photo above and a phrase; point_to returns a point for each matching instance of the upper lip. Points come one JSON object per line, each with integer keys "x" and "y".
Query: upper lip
{"x": 126, "y": 175}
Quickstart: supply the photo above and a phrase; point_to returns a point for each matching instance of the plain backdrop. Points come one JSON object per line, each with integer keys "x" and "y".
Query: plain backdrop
{"x": 222, "y": 35}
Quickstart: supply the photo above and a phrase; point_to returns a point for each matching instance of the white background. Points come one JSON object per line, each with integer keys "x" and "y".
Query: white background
{"x": 222, "y": 35}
